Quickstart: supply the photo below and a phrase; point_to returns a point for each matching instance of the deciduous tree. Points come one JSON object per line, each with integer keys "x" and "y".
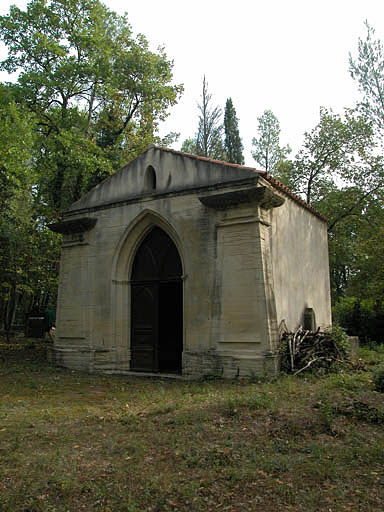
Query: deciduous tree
{"x": 368, "y": 71}
{"x": 268, "y": 152}
{"x": 208, "y": 140}
{"x": 340, "y": 172}
{"x": 28, "y": 250}
{"x": 89, "y": 96}
{"x": 97, "y": 91}
{"x": 338, "y": 150}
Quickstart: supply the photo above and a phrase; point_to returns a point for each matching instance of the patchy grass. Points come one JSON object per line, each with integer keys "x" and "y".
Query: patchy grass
{"x": 72, "y": 441}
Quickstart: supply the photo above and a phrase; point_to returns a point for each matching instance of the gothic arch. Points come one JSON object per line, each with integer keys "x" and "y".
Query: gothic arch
{"x": 122, "y": 264}
{"x": 132, "y": 238}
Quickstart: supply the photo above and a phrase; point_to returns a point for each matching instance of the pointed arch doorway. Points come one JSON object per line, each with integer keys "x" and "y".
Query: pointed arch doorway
{"x": 157, "y": 305}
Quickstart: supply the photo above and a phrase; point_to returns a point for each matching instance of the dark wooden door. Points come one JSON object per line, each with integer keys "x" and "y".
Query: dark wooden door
{"x": 156, "y": 305}
{"x": 144, "y": 327}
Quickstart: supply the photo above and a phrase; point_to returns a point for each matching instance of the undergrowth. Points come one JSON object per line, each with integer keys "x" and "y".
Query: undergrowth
{"x": 71, "y": 441}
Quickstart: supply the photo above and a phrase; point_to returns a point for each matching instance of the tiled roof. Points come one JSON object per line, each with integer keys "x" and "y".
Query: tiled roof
{"x": 273, "y": 181}
{"x": 210, "y": 160}
{"x": 283, "y": 188}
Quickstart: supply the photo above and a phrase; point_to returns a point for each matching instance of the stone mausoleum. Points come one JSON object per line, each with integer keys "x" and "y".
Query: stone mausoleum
{"x": 179, "y": 264}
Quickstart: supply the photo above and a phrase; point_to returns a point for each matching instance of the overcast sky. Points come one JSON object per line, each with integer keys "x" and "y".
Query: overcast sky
{"x": 287, "y": 56}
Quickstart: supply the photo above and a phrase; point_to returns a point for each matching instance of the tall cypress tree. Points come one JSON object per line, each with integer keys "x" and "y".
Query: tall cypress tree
{"x": 232, "y": 144}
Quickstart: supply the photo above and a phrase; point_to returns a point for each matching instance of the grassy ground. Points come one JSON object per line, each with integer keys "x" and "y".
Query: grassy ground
{"x": 73, "y": 442}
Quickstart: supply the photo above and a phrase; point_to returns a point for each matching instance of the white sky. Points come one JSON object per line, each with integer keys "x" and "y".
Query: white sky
{"x": 287, "y": 56}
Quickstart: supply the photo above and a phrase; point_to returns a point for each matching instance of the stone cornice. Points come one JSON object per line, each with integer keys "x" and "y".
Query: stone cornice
{"x": 262, "y": 196}
{"x": 67, "y": 227}
{"x": 244, "y": 182}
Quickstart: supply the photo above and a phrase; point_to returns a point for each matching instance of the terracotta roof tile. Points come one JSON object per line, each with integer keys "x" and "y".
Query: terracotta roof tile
{"x": 273, "y": 181}
{"x": 283, "y": 188}
{"x": 210, "y": 160}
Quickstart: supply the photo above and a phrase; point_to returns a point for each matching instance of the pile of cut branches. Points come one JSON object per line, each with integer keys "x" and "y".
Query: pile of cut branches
{"x": 314, "y": 351}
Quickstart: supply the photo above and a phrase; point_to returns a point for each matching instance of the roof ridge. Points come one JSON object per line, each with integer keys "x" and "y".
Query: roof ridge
{"x": 264, "y": 174}
{"x": 208, "y": 159}
{"x": 292, "y": 195}
{"x": 278, "y": 184}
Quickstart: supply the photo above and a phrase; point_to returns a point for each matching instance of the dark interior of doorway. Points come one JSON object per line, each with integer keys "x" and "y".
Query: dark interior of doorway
{"x": 157, "y": 306}
{"x": 170, "y": 327}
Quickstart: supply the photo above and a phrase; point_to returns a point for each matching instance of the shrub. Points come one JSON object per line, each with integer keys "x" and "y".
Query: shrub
{"x": 378, "y": 379}
{"x": 362, "y": 318}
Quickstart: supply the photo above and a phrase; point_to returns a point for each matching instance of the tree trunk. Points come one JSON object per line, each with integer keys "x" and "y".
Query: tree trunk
{"x": 9, "y": 312}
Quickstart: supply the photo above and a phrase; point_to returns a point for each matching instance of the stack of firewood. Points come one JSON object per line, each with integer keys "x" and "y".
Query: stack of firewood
{"x": 313, "y": 351}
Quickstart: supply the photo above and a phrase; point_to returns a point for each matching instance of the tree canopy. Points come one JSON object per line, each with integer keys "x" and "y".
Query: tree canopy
{"x": 268, "y": 152}
{"x": 368, "y": 71}
{"x": 97, "y": 91}
{"x": 337, "y": 151}
{"x": 208, "y": 140}
{"x": 233, "y": 146}
{"x": 89, "y": 96}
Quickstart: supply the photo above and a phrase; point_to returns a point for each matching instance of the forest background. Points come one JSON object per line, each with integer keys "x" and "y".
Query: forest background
{"x": 90, "y": 96}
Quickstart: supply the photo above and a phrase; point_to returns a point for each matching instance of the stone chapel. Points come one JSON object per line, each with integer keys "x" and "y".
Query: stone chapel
{"x": 182, "y": 265}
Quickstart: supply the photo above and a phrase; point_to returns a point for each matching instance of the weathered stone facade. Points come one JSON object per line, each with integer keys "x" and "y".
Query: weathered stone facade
{"x": 253, "y": 258}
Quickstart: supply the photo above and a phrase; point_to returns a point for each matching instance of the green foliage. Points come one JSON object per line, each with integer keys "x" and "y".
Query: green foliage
{"x": 233, "y": 146}
{"x": 208, "y": 140}
{"x": 340, "y": 173}
{"x": 352, "y": 152}
{"x": 16, "y": 149}
{"x": 20, "y": 237}
{"x": 372, "y": 353}
{"x": 89, "y": 97}
{"x": 367, "y": 279}
{"x": 209, "y": 135}
{"x": 189, "y": 146}
{"x": 340, "y": 340}
{"x": 355, "y": 242}
{"x": 69, "y": 166}
{"x": 336, "y": 150}
{"x": 368, "y": 71}
{"x": 268, "y": 152}
{"x": 363, "y": 318}
{"x": 378, "y": 379}
{"x": 29, "y": 254}
{"x": 98, "y": 92}
{"x": 74, "y": 441}
{"x": 284, "y": 172}
{"x": 361, "y": 411}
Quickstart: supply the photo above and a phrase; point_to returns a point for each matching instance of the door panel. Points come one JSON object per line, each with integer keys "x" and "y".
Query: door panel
{"x": 144, "y": 327}
{"x": 156, "y": 305}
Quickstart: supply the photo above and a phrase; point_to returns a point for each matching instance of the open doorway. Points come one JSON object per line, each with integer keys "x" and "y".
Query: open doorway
{"x": 157, "y": 305}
